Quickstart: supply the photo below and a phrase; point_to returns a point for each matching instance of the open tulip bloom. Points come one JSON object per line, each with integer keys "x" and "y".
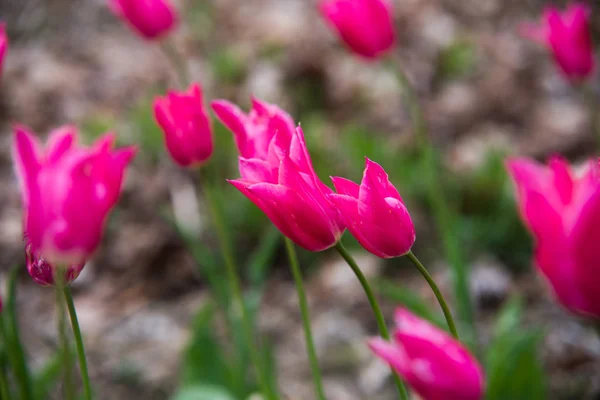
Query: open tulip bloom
{"x": 562, "y": 211}
{"x": 67, "y": 192}
{"x": 569, "y": 38}
{"x": 434, "y": 364}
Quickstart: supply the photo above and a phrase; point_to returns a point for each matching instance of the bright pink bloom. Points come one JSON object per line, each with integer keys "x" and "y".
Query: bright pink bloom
{"x": 563, "y": 214}
{"x": 185, "y": 124}
{"x": 366, "y": 26}
{"x": 286, "y": 188}
{"x": 254, "y": 131}
{"x": 434, "y": 364}
{"x": 67, "y": 192}
{"x": 569, "y": 38}
{"x": 375, "y": 213}
{"x": 3, "y": 43}
{"x": 150, "y": 18}
{"x": 43, "y": 273}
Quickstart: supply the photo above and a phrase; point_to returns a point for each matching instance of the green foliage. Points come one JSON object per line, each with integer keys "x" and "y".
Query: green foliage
{"x": 514, "y": 368}
{"x": 228, "y": 66}
{"x": 203, "y": 392}
{"x": 457, "y": 60}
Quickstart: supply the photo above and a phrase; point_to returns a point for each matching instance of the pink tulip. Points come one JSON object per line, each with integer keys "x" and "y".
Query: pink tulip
{"x": 150, "y": 18}
{"x": 3, "y": 43}
{"x": 67, "y": 192}
{"x": 375, "y": 213}
{"x": 43, "y": 273}
{"x": 187, "y": 130}
{"x": 562, "y": 211}
{"x": 254, "y": 131}
{"x": 286, "y": 188}
{"x": 433, "y": 363}
{"x": 569, "y": 38}
{"x": 366, "y": 26}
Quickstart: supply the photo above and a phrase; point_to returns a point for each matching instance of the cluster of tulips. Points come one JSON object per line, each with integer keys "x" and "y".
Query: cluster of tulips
{"x": 68, "y": 191}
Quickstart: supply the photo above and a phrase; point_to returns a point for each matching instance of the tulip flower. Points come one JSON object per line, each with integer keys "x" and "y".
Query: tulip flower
{"x": 3, "y": 43}
{"x": 569, "y": 38}
{"x": 186, "y": 126}
{"x": 254, "y": 131}
{"x": 366, "y": 26}
{"x": 562, "y": 211}
{"x": 375, "y": 213}
{"x": 286, "y": 188}
{"x": 67, "y": 192}
{"x": 44, "y": 273}
{"x": 150, "y": 18}
{"x": 433, "y": 363}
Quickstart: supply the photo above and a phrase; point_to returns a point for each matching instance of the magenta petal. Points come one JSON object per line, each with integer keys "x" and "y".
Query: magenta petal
{"x": 345, "y": 186}
{"x": 233, "y": 118}
{"x": 394, "y": 355}
{"x": 256, "y": 170}
{"x": 59, "y": 142}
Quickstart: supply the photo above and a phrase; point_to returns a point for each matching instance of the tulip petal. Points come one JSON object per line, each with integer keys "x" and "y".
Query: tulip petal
{"x": 345, "y": 186}
{"x": 234, "y": 119}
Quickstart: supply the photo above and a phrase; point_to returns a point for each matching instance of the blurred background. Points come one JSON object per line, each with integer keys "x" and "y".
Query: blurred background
{"x": 142, "y": 301}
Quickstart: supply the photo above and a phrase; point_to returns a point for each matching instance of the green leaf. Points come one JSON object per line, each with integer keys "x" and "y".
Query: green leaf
{"x": 203, "y": 392}
{"x": 48, "y": 377}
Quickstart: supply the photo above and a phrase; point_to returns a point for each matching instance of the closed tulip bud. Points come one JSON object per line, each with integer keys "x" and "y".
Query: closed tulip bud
{"x": 568, "y": 37}
{"x": 433, "y": 363}
{"x": 374, "y": 212}
{"x": 186, "y": 126}
{"x": 150, "y": 18}
{"x": 286, "y": 188}
{"x": 67, "y": 192}
{"x": 562, "y": 211}
{"x": 44, "y": 273}
{"x": 366, "y": 26}
{"x": 253, "y": 132}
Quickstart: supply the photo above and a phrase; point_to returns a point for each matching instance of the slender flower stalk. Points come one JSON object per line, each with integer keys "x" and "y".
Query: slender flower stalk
{"x": 593, "y": 104}
{"x": 310, "y": 345}
{"x": 383, "y": 331}
{"x": 87, "y": 388}
{"x": 68, "y": 387}
{"x": 441, "y": 207}
{"x": 436, "y": 291}
{"x": 3, "y": 382}
{"x": 236, "y": 291}
{"x": 177, "y": 61}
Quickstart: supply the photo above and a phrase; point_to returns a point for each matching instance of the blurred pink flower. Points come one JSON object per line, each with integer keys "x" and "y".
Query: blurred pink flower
{"x": 150, "y": 18}
{"x": 375, "y": 213}
{"x": 279, "y": 178}
{"x": 253, "y": 132}
{"x": 67, "y": 192}
{"x": 3, "y": 44}
{"x": 366, "y": 26}
{"x": 43, "y": 273}
{"x": 186, "y": 126}
{"x": 433, "y": 363}
{"x": 563, "y": 214}
{"x": 569, "y": 38}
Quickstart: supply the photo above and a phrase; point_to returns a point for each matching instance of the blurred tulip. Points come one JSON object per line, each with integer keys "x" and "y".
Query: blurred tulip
{"x": 150, "y": 18}
{"x": 3, "y": 44}
{"x": 254, "y": 131}
{"x": 434, "y": 364}
{"x": 375, "y": 213}
{"x": 569, "y": 38}
{"x": 43, "y": 273}
{"x": 67, "y": 192}
{"x": 366, "y": 26}
{"x": 563, "y": 214}
{"x": 286, "y": 188}
{"x": 186, "y": 126}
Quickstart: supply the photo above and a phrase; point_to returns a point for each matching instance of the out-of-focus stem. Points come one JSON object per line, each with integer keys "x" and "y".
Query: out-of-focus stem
{"x": 87, "y": 388}
{"x": 310, "y": 346}
{"x": 383, "y": 331}
{"x": 443, "y": 213}
{"x": 59, "y": 284}
{"x": 177, "y": 61}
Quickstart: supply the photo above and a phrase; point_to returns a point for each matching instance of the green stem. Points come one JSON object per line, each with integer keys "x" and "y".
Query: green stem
{"x": 383, "y": 331}
{"x": 436, "y": 291}
{"x": 177, "y": 61}
{"x": 592, "y": 102}
{"x": 310, "y": 345}
{"x": 236, "y": 290}
{"x": 62, "y": 331}
{"x": 4, "y": 388}
{"x": 87, "y": 388}
{"x": 441, "y": 207}
{"x": 15, "y": 350}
